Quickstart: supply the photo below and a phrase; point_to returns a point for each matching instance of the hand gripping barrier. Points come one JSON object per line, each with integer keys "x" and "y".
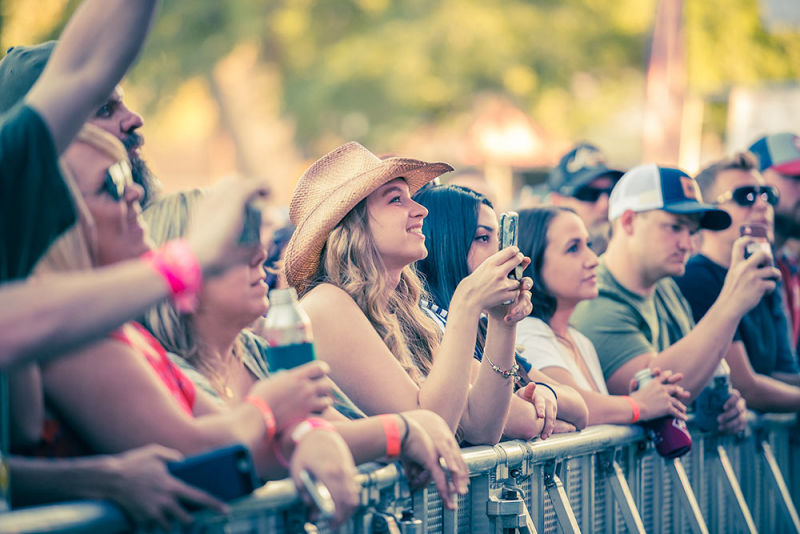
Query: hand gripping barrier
{"x": 607, "y": 478}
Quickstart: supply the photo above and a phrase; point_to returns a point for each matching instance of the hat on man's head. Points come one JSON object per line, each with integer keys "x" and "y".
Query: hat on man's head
{"x": 333, "y": 186}
{"x": 780, "y": 151}
{"x": 577, "y": 168}
{"x": 650, "y": 187}
{"x": 19, "y": 70}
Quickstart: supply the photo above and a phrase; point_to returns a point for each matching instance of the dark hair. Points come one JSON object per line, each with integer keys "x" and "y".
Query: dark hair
{"x": 532, "y": 240}
{"x": 741, "y": 161}
{"x": 449, "y": 230}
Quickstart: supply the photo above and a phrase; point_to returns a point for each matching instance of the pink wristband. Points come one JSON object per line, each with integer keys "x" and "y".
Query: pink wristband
{"x": 176, "y": 263}
{"x": 266, "y": 415}
{"x": 634, "y": 407}
{"x": 392, "y": 431}
{"x": 312, "y": 423}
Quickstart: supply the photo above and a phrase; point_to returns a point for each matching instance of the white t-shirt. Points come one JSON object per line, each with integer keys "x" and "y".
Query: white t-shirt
{"x": 542, "y": 349}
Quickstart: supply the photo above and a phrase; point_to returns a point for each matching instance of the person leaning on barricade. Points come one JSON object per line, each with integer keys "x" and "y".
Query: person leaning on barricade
{"x": 564, "y": 269}
{"x": 640, "y": 319}
{"x": 358, "y": 234}
{"x": 461, "y": 232}
{"x": 763, "y": 363}
{"x": 215, "y": 348}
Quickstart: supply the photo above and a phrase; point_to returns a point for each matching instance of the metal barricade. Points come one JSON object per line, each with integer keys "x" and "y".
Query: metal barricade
{"x": 607, "y": 478}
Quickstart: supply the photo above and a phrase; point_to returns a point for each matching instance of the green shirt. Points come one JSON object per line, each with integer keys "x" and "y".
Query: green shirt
{"x": 623, "y": 325}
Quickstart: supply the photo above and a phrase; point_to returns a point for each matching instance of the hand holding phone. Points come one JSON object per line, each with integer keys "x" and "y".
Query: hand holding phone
{"x": 227, "y": 473}
{"x": 509, "y": 221}
{"x": 760, "y": 235}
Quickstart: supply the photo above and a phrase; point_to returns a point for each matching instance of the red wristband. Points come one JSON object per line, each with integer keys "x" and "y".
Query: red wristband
{"x": 392, "y": 431}
{"x": 634, "y": 407}
{"x": 266, "y": 414}
{"x": 312, "y": 423}
{"x": 177, "y": 265}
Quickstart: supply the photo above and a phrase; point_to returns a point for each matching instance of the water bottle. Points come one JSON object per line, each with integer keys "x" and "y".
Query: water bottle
{"x": 287, "y": 331}
{"x": 708, "y": 405}
{"x": 669, "y": 434}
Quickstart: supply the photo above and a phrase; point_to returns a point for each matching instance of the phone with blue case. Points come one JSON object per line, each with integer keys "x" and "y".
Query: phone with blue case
{"x": 227, "y": 473}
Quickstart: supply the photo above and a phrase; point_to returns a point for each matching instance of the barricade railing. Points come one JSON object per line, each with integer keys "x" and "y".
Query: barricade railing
{"x": 607, "y": 478}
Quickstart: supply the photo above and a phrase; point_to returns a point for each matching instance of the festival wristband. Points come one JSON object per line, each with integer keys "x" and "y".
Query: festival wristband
{"x": 299, "y": 432}
{"x": 392, "y": 432}
{"x": 634, "y": 407}
{"x": 266, "y": 414}
{"x": 178, "y": 266}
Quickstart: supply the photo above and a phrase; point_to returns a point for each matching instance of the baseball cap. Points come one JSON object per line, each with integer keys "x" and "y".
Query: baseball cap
{"x": 780, "y": 151}
{"x": 579, "y": 167}
{"x": 650, "y": 187}
{"x": 19, "y": 70}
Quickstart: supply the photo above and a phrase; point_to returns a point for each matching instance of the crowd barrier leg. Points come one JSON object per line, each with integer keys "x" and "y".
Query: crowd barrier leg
{"x": 778, "y": 484}
{"x": 558, "y": 496}
{"x": 731, "y": 484}
{"x": 508, "y": 513}
{"x": 615, "y": 477}
{"x": 682, "y": 487}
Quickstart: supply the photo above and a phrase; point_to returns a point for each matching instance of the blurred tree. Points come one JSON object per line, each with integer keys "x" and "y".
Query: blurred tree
{"x": 373, "y": 70}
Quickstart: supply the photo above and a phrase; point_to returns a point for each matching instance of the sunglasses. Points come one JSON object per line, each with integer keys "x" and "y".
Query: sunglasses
{"x": 118, "y": 177}
{"x": 747, "y": 195}
{"x": 591, "y": 194}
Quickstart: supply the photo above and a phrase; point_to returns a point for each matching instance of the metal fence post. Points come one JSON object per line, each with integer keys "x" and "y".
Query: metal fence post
{"x": 681, "y": 486}
{"x": 558, "y": 496}
{"x": 778, "y": 484}
{"x": 615, "y": 478}
{"x": 731, "y": 484}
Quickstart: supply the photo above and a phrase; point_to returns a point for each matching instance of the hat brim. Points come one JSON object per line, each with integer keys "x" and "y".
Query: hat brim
{"x": 712, "y": 218}
{"x": 588, "y": 176}
{"x": 305, "y": 247}
{"x": 791, "y": 168}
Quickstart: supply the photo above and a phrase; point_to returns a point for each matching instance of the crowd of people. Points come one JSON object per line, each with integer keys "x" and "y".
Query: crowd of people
{"x": 127, "y": 315}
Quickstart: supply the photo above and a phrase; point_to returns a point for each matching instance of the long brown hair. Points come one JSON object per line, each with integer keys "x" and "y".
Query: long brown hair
{"x": 351, "y": 261}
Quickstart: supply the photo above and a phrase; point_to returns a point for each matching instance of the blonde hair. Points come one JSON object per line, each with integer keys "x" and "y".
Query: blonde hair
{"x": 168, "y": 218}
{"x": 76, "y": 249}
{"x": 350, "y": 261}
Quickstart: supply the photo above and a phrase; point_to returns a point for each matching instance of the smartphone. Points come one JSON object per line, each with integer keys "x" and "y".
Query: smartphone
{"x": 227, "y": 473}
{"x": 760, "y": 233}
{"x": 509, "y": 221}
{"x": 251, "y": 231}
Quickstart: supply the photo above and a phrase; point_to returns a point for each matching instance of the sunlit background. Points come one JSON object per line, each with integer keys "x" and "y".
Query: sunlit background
{"x": 253, "y": 87}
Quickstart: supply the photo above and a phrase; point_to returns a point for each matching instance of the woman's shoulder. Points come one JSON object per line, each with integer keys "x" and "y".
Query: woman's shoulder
{"x": 331, "y": 303}
{"x": 533, "y": 326}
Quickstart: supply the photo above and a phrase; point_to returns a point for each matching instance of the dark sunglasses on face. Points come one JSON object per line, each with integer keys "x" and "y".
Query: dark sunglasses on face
{"x": 118, "y": 177}
{"x": 591, "y": 194}
{"x": 746, "y": 196}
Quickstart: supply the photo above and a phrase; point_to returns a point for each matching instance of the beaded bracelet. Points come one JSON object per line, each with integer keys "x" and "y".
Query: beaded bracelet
{"x": 266, "y": 414}
{"x": 506, "y": 373}
{"x": 548, "y": 386}
{"x": 634, "y": 408}
{"x": 178, "y": 266}
{"x": 299, "y": 432}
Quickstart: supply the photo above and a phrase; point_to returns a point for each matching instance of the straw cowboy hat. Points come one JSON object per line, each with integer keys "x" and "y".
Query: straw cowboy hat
{"x": 330, "y": 188}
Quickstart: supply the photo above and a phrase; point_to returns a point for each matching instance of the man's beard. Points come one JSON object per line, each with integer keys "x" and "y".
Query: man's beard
{"x": 141, "y": 173}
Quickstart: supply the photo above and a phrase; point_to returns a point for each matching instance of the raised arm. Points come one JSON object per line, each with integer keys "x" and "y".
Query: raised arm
{"x": 697, "y": 354}
{"x": 57, "y": 313}
{"x": 97, "y": 46}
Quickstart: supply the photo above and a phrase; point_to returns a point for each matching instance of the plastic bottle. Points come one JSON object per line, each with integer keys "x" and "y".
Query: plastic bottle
{"x": 287, "y": 330}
